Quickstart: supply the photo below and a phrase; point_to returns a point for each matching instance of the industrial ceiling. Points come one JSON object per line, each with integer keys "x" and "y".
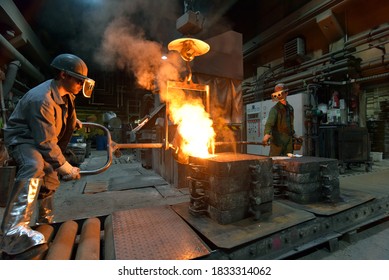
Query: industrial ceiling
{"x": 40, "y": 29}
{"x": 33, "y": 32}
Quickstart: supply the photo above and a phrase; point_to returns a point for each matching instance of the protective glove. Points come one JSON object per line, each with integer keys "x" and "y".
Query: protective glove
{"x": 69, "y": 172}
{"x": 266, "y": 139}
{"x": 78, "y": 124}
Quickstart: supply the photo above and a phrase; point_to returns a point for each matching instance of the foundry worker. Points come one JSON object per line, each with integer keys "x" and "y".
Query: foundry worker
{"x": 279, "y": 127}
{"x": 36, "y": 135}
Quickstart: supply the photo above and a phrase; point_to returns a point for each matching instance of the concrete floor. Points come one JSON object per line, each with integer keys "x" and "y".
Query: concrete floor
{"x": 127, "y": 185}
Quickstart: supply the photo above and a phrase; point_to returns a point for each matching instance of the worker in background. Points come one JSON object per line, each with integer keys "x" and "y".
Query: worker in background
{"x": 36, "y": 136}
{"x": 279, "y": 127}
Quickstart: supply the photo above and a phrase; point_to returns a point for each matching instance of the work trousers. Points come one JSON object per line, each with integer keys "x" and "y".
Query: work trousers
{"x": 30, "y": 164}
{"x": 281, "y": 144}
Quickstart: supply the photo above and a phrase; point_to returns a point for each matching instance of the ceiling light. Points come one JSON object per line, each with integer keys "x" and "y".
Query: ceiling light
{"x": 189, "y": 48}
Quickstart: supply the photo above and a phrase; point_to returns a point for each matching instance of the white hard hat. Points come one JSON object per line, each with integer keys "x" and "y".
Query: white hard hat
{"x": 280, "y": 87}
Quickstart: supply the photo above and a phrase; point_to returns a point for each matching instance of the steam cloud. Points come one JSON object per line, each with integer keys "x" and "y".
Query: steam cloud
{"x": 135, "y": 37}
{"x": 130, "y": 35}
{"x": 124, "y": 46}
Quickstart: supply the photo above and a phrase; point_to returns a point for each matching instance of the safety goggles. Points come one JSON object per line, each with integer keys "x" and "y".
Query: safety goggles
{"x": 87, "y": 84}
{"x": 279, "y": 95}
{"x": 88, "y": 87}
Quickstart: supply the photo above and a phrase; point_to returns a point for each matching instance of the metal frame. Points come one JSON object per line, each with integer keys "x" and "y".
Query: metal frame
{"x": 114, "y": 148}
{"x": 184, "y": 86}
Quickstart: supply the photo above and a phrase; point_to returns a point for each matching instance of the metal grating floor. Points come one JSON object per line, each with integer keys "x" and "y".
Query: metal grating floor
{"x": 154, "y": 233}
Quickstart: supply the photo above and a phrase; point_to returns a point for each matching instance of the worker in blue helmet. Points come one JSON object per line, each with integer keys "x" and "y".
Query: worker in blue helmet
{"x": 36, "y": 136}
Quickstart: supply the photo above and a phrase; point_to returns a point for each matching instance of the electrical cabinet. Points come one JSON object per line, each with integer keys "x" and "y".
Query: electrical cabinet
{"x": 347, "y": 144}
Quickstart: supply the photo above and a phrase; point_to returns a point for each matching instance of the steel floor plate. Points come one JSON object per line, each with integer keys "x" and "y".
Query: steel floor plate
{"x": 348, "y": 199}
{"x": 241, "y": 232}
{"x": 154, "y": 233}
{"x": 135, "y": 181}
{"x": 95, "y": 187}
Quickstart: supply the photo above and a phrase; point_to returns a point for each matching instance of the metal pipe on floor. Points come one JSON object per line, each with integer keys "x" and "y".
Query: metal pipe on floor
{"x": 48, "y": 233}
{"x": 62, "y": 246}
{"x": 240, "y": 143}
{"x": 89, "y": 244}
{"x": 140, "y": 145}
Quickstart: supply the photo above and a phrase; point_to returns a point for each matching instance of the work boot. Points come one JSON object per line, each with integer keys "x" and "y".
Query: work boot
{"x": 45, "y": 205}
{"x": 18, "y": 237}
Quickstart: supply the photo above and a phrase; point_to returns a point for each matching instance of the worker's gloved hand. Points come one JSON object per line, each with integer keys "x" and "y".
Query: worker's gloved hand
{"x": 266, "y": 139}
{"x": 298, "y": 139}
{"x": 69, "y": 172}
{"x": 78, "y": 124}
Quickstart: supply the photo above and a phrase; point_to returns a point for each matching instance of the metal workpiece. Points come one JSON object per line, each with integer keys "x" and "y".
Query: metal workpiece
{"x": 302, "y": 178}
{"x": 225, "y": 217}
{"x": 261, "y": 173}
{"x": 306, "y": 164}
{"x": 307, "y": 179}
{"x": 261, "y": 192}
{"x": 305, "y": 188}
{"x": 48, "y": 233}
{"x": 198, "y": 183}
{"x": 229, "y": 187}
{"x": 330, "y": 183}
{"x": 231, "y": 184}
{"x": 198, "y": 198}
{"x": 89, "y": 243}
{"x": 229, "y": 164}
{"x": 279, "y": 176}
{"x": 63, "y": 243}
{"x": 228, "y": 201}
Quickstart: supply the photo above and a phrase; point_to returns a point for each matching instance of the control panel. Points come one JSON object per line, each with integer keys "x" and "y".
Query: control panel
{"x": 254, "y": 122}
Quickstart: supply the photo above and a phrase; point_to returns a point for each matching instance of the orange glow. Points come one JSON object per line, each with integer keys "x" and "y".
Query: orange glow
{"x": 194, "y": 127}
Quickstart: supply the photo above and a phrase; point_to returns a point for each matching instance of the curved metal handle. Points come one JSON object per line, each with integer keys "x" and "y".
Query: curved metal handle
{"x": 109, "y": 150}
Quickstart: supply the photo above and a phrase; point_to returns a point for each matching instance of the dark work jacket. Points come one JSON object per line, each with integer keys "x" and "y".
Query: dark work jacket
{"x": 41, "y": 119}
{"x": 280, "y": 125}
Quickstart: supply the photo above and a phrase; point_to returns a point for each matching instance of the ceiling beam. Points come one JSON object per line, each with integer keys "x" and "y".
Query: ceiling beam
{"x": 28, "y": 35}
{"x": 13, "y": 53}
